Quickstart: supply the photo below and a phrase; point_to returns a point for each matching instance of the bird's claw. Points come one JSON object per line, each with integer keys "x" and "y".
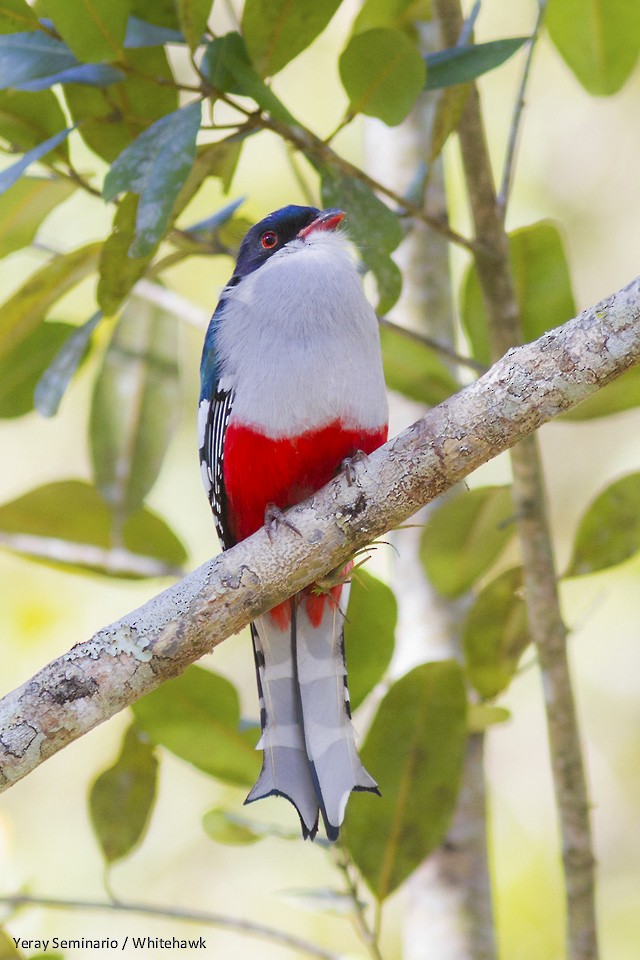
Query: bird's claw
{"x": 275, "y": 518}
{"x": 349, "y": 464}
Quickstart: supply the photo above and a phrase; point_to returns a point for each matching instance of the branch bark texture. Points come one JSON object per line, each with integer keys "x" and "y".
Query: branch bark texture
{"x": 527, "y": 387}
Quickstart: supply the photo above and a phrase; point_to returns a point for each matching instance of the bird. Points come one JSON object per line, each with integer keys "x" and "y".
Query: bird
{"x": 292, "y": 388}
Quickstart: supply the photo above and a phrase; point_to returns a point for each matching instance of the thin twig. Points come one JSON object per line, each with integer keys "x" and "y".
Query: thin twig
{"x": 546, "y": 625}
{"x": 368, "y": 935}
{"x": 466, "y": 33}
{"x": 442, "y": 348}
{"x": 516, "y": 120}
{"x": 76, "y": 177}
{"x": 247, "y": 927}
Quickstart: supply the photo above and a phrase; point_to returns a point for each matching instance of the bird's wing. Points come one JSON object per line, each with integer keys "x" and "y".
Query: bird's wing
{"x": 214, "y": 415}
{"x": 216, "y": 400}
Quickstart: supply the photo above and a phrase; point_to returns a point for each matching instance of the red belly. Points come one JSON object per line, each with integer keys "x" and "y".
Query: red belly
{"x": 259, "y": 470}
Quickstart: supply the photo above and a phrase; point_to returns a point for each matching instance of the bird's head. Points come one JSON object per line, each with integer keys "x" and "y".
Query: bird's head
{"x": 279, "y": 229}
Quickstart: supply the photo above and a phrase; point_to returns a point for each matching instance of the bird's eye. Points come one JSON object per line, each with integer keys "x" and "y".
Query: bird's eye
{"x": 269, "y": 240}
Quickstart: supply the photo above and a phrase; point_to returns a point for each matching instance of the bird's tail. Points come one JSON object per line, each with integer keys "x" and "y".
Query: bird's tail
{"x": 310, "y": 755}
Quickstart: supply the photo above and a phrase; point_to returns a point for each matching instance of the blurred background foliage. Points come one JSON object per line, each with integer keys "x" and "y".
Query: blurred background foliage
{"x": 149, "y": 136}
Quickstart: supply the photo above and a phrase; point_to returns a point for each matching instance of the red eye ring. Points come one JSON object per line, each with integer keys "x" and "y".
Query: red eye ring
{"x": 269, "y": 240}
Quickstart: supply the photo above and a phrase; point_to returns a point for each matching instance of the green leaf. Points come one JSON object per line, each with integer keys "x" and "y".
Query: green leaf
{"x": 30, "y": 56}
{"x": 26, "y": 119}
{"x": 145, "y": 528}
{"x": 161, "y": 12}
{"x": 369, "y": 633}
{"x": 495, "y": 634}
{"x": 58, "y": 374}
{"x": 623, "y": 393}
{"x": 93, "y": 74}
{"x": 224, "y": 829}
{"x": 193, "y": 16}
{"x": 23, "y": 209}
{"x": 402, "y": 14}
{"x": 10, "y": 175}
{"x": 208, "y": 231}
{"x": 109, "y": 118}
{"x": 372, "y": 226}
{"x": 197, "y": 717}
{"x": 212, "y": 160}
{"x": 464, "y": 535}
{"x": 141, "y": 33}
{"x": 227, "y": 67}
{"x": 122, "y": 797}
{"x": 543, "y": 287}
{"x": 24, "y": 311}
{"x": 599, "y": 41}
{"x": 383, "y": 74}
{"x": 73, "y": 512}
{"x": 415, "y": 750}
{"x": 482, "y": 716}
{"x": 118, "y": 271}
{"x": 155, "y": 166}
{"x": 16, "y": 16}
{"x": 93, "y": 29}
{"x": 445, "y": 68}
{"x": 414, "y": 369}
{"x": 136, "y": 401}
{"x": 21, "y": 369}
{"x": 276, "y": 31}
{"x": 8, "y": 949}
{"x": 609, "y": 531}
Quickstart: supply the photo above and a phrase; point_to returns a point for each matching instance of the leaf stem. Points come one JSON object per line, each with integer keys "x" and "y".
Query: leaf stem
{"x": 516, "y": 120}
{"x": 442, "y": 348}
{"x": 368, "y": 935}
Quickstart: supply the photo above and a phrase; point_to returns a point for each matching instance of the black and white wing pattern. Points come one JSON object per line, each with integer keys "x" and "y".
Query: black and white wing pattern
{"x": 213, "y": 417}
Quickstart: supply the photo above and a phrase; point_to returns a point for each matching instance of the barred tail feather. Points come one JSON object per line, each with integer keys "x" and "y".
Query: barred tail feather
{"x": 310, "y": 755}
{"x": 285, "y": 768}
{"x": 329, "y": 736}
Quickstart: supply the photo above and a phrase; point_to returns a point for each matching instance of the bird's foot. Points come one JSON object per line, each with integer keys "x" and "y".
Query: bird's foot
{"x": 274, "y": 518}
{"x": 349, "y": 465}
{"x": 334, "y": 578}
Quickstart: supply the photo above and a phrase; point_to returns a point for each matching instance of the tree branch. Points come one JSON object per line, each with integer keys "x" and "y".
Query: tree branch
{"x": 544, "y": 614}
{"x": 527, "y": 387}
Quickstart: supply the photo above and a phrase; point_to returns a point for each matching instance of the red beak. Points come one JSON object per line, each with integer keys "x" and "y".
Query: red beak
{"x": 328, "y": 220}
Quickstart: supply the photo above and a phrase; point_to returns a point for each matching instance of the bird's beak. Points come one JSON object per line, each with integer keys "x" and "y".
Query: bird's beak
{"x": 328, "y": 220}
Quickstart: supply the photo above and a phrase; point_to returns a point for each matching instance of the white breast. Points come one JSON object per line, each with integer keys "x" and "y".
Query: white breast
{"x": 298, "y": 341}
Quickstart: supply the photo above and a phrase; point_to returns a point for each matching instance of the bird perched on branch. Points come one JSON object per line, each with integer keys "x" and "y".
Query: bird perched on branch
{"x": 292, "y": 386}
